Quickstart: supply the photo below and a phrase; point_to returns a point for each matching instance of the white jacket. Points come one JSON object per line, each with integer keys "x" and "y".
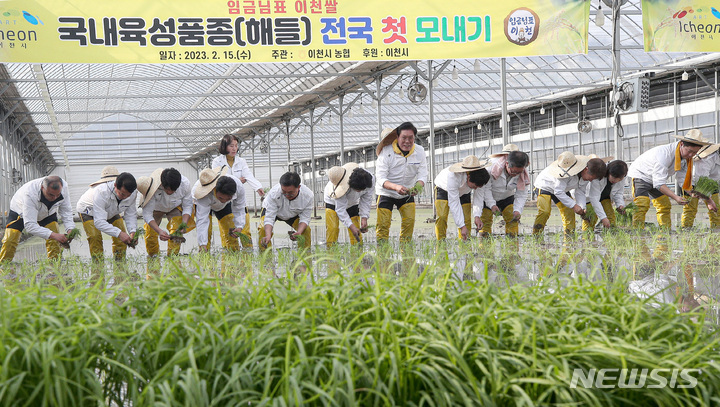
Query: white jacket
{"x": 29, "y": 203}
{"x": 209, "y": 202}
{"x": 559, "y": 187}
{"x": 594, "y": 191}
{"x": 656, "y": 165}
{"x": 278, "y": 207}
{"x": 392, "y": 166}
{"x": 101, "y": 203}
{"x": 504, "y": 187}
{"x": 362, "y": 199}
{"x": 165, "y": 203}
{"x": 707, "y": 167}
{"x": 456, "y": 186}
{"x": 239, "y": 169}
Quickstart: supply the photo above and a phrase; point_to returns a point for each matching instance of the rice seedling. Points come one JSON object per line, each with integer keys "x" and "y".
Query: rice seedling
{"x": 74, "y": 232}
{"x": 589, "y": 213}
{"x": 625, "y": 217}
{"x": 705, "y": 187}
{"x": 136, "y": 238}
{"x": 417, "y": 189}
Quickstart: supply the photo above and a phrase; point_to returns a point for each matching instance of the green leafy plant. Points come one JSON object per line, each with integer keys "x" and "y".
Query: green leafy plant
{"x": 367, "y": 228}
{"x": 625, "y": 219}
{"x": 178, "y": 233}
{"x": 72, "y": 234}
{"x": 705, "y": 187}
{"x": 589, "y": 213}
{"x": 417, "y": 189}
{"x": 136, "y": 238}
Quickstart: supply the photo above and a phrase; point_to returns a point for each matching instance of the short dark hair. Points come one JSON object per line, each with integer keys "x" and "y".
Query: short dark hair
{"x": 360, "y": 179}
{"x": 518, "y": 159}
{"x": 617, "y": 169}
{"x": 225, "y": 141}
{"x": 689, "y": 144}
{"x": 479, "y": 177}
{"x": 406, "y": 126}
{"x": 52, "y": 182}
{"x": 170, "y": 178}
{"x": 127, "y": 181}
{"x": 596, "y": 167}
{"x": 226, "y": 185}
{"x": 290, "y": 179}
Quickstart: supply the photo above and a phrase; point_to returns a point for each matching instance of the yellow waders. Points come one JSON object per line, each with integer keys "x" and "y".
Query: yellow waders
{"x": 406, "y": 207}
{"x": 13, "y": 231}
{"x": 332, "y": 228}
{"x": 690, "y": 212}
{"x": 544, "y": 208}
{"x": 152, "y": 244}
{"x": 94, "y": 237}
{"x": 246, "y": 231}
{"x": 511, "y": 228}
{"x": 307, "y": 234}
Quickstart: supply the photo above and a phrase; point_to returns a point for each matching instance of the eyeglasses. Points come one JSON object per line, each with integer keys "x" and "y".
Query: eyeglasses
{"x": 289, "y": 194}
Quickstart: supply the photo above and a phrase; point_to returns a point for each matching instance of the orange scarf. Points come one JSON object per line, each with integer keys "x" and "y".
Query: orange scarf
{"x": 687, "y": 184}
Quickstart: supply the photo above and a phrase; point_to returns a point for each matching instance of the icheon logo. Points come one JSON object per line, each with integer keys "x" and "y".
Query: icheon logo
{"x": 29, "y": 17}
{"x": 635, "y": 378}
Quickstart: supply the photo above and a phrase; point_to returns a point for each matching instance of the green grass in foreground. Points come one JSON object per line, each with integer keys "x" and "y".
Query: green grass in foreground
{"x": 349, "y": 339}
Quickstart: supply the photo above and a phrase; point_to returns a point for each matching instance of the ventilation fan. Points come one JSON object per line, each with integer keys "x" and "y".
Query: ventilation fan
{"x": 27, "y": 158}
{"x": 585, "y": 126}
{"x": 416, "y": 91}
{"x": 633, "y": 95}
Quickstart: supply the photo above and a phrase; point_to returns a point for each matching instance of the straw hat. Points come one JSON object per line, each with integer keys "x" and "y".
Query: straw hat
{"x": 605, "y": 159}
{"x": 469, "y": 163}
{"x": 507, "y": 149}
{"x": 149, "y": 185}
{"x": 387, "y": 137}
{"x": 340, "y": 178}
{"x": 694, "y": 136}
{"x": 108, "y": 173}
{"x": 568, "y": 164}
{"x": 707, "y": 151}
{"x": 208, "y": 179}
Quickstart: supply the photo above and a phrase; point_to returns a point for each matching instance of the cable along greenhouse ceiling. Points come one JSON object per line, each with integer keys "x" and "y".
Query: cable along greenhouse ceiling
{"x": 111, "y": 112}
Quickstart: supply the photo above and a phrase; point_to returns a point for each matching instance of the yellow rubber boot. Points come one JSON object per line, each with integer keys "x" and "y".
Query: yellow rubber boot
{"x": 94, "y": 237}
{"x": 663, "y": 206}
{"x": 173, "y": 226}
{"x": 119, "y": 248}
{"x": 643, "y": 206}
{"x": 487, "y": 220}
{"x": 443, "y": 212}
{"x": 568, "y": 218}
{"x": 589, "y": 224}
{"x": 609, "y": 211}
{"x": 467, "y": 218}
{"x": 226, "y": 224}
{"x": 407, "y": 221}
{"x": 356, "y": 221}
{"x": 52, "y": 247}
{"x": 689, "y": 212}
{"x": 715, "y": 216}
{"x": 307, "y": 234}
{"x": 332, "y": 227}
{"x": 543, "y": 205}
{"x": 152, "y": 244}
{"x": 511, "y": 228}
{"x": 384, "y": 218}
{"x": 9, "y": 244}
{"x": 261, "y": 235}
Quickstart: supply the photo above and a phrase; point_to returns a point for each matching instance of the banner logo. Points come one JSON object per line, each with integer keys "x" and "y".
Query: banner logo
{"x": 522, "y": 26}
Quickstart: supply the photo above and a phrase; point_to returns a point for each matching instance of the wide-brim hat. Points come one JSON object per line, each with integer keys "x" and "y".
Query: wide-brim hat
{"x": 605, "y": 159}
{"x": 149, "y": 185}
{"x": 469, "y": 163}
{"x": 568, "y": 164}
{"x": 208, "y": 179}
{"x": 507, "y": 149}
{"x": 386, "y": 138}
{"x": 340, "y": 178}
{"x": 707, "y": 151}
{"x": 108, "y": 173}
{"x": 694, "y": 136}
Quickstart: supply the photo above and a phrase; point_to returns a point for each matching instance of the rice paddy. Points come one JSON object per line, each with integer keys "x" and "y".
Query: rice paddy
{"x": 491, "y": 321}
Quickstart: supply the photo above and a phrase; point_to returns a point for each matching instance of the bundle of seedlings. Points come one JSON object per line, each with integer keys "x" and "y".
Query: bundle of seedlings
{"x": 136, "y": 238}
{"x": 265, "y": 192}
{"x": 300, "y": 239}
{"x": 177, "y": 235}
{"x": 589, "y": 213}
{"x": 70, "y": 236}
{"x": 417, "y": 189}
{"x": 705, "y": 187}
{"x": 625, "y": 218}
{"x": 367, "y": 228}
{"x": 244, "y": 239}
